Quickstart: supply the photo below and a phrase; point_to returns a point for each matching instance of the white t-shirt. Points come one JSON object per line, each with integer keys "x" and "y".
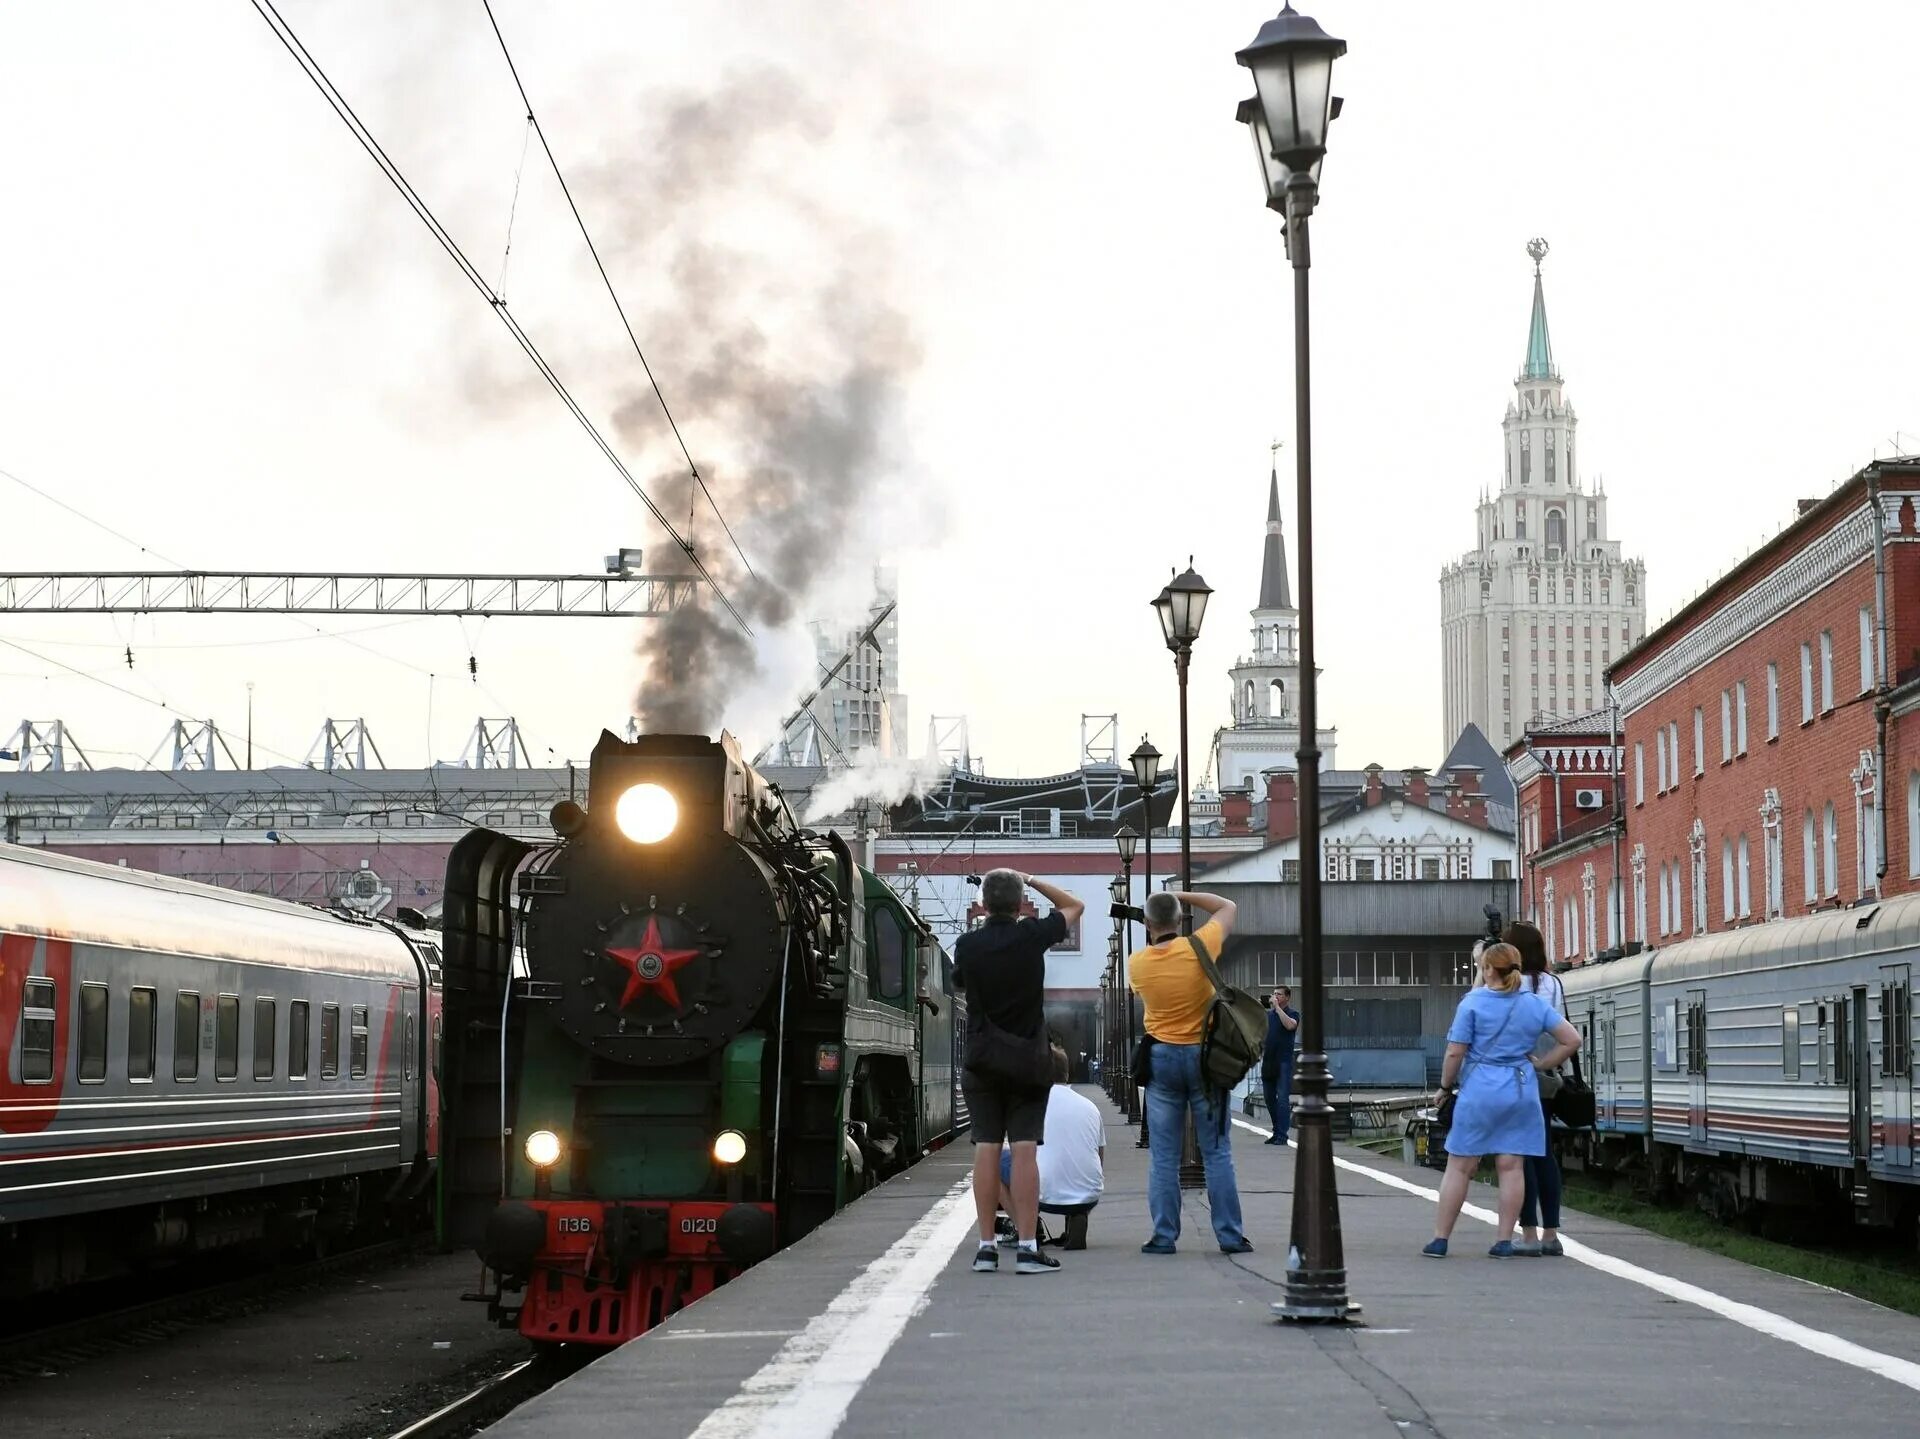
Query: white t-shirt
{"x": 1070, "y": 1171}
{"x": 1555, "y": 994}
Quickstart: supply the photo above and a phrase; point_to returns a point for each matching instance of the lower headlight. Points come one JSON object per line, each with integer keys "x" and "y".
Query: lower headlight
{"x": 543, "y": 1149}
{"x": 730, "y": 1146}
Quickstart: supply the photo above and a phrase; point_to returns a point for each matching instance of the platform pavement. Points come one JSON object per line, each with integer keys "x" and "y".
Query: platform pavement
{"x": 828, "y": 1338}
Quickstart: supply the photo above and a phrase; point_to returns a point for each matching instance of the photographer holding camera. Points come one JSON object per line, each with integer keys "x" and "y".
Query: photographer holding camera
{"x": 1002, "y": 966}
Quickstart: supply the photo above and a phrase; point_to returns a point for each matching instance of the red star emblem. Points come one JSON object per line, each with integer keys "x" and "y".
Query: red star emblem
{"x": 651, "y": 966}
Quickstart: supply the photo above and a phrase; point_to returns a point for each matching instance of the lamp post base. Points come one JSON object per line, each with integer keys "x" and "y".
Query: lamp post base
{"x": 1321, "y": 1300}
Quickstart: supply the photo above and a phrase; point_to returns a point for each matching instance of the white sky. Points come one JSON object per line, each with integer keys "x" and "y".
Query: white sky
{"x": 222, "y": 334}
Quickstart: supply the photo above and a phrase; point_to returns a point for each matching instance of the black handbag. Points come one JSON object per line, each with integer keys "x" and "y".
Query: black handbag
{"x": 1573, "y": 1106}
{"x": 1141, "y": 1070}
{"x": 1016, "y": 1061}
{"x": 1443, "y": 1115}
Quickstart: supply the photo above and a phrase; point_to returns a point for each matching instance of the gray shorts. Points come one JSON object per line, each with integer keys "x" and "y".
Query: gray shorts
{"x": 997, "y": 1113}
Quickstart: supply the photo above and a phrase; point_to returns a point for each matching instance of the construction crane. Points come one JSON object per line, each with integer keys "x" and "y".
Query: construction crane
{"x": 805, "y": 709}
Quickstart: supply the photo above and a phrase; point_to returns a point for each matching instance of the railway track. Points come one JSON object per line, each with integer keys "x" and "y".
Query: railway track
{"x": 494, "y": 1398}
{"x": 69, "y": 1343}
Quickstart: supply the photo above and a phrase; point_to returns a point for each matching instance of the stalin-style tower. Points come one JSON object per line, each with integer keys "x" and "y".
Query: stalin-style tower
{"x": 1543, "y": 603}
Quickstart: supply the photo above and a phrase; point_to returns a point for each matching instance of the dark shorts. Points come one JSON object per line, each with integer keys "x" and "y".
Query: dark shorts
{"x": 1016, "y": 1116}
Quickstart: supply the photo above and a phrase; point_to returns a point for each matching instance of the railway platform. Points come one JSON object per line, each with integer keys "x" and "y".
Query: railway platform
{"x": 876, "y": 1325}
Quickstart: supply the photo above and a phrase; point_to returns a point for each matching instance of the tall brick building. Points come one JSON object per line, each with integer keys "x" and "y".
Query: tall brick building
{"x": 1569, "y": 835}
{"x": 1769, "y": 745}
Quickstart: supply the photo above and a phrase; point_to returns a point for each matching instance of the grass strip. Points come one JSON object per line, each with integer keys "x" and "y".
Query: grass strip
{"x": 1887, "y": 1278}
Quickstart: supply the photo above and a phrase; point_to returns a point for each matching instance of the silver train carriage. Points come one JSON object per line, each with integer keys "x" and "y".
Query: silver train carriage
{"x": 1767, "y": 1066}
{"x": 188, "y": 1067}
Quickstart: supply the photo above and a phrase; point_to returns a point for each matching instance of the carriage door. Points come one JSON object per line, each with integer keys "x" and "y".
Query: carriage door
{"x": 1602, "y": 1066}
{"x": 1697, "y": 1065}
{"x": 1853, "y": 1067}
{"x": 1896, "y": 1066}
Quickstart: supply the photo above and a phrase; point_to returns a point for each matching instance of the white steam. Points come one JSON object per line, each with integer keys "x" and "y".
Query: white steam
{"x": 876, "y": 780}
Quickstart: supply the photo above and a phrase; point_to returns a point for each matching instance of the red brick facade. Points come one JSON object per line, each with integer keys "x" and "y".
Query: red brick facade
{"x": 1759, "y": 733}
{"x": 1564, "y": 807}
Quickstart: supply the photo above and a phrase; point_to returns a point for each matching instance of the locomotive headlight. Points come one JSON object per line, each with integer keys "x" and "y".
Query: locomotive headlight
{"x": 543, "y": 1149}
{"x": 646, "y": 813}
{"x": 730, "y": 1146}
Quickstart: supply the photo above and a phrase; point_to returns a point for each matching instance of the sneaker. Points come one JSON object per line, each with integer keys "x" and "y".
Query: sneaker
{"x": 986, "y": 1259}
{"x": 1035, "y": 1261}
{"x": 1245, "y": 1246}
{"x": 1154, "y": 1246}
{"x": 1277, "y": 1139}
{"x": 1503, "y": 1250}
{"x": 1551, "y": 1249}
{"x": 1436, "y": 1249}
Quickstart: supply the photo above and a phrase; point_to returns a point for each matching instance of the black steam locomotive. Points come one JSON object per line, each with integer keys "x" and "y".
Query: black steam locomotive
{"x": 680, "y": 1036}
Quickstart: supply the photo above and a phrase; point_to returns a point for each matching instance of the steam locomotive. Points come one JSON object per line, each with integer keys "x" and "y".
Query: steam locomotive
{"x": 678, "y": 1037}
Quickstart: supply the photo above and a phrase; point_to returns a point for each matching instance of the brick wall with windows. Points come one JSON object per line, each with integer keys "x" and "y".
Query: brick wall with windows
{"x": 1775, "y": 811}
{"x": 1564, "y": 786}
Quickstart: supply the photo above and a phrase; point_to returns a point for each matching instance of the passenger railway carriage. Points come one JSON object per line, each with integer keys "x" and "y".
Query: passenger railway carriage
{"x": 188, "y": 1068}
{"x": 1767, "y": 1066}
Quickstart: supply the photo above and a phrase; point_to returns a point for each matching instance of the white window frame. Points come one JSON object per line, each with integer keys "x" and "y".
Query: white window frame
{"x": 1699, "y": 740}
{"x": 1673, "y": 751}
{"x": 1640, "y": 777}
{"x": 1586, "y": 904}
{"x": 1810, "y": 856}
{"x": 1744, "y": 872}
{"x": 1866, "y": 837}
{"x": 1772, "y": 852}
{"x": 1913, "y": 824}
{"x": 1546, "y": 907}
{"x": 1660, "y": 758}
{"x": 1831, "y": 852}
{"x": 1726, "y": 726}
{"x": 1773, "y": 699}
{"x": 1806, "y": 684}
{"x": 1740, "y": 717}
{"x": 1697, "y": 849}
{"x": 1640, "y": 884}
{"x": 1726, "y": 880}
{"x": 1826, "y": 672}
{"x": 1866, "y": 650}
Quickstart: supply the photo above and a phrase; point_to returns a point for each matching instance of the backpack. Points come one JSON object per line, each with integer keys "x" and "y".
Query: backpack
{"x": 1235, "y": 1032}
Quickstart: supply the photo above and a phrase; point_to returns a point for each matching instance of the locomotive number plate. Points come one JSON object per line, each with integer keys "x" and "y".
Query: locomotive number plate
{"x": 573, "y": 1224}
{"x": 699, "y": 1226}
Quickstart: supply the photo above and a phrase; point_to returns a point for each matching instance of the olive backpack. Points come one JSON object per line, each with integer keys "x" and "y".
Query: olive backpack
{"x": 1235, "y": 1032}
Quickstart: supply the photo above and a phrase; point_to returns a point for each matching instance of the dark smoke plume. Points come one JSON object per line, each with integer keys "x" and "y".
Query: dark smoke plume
{"x": 787, "y": 381}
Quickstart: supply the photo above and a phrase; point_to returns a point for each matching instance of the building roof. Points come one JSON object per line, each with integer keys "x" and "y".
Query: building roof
{"x": 1094, "y": 800}
{"x": 1539, "y": 362}
{"x": 1473, "y": 750}
{"x": 1274, "y": 593}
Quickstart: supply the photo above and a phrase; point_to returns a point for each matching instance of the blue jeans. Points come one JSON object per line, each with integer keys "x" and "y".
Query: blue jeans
{"x": 1279, "y": 1087}
{"x": 1176, "y": 1087}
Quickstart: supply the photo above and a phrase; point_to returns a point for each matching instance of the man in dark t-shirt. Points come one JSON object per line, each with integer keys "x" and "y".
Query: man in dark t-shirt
{"x": 1276, "y": 1062}
{"x": 1002, "y": 966}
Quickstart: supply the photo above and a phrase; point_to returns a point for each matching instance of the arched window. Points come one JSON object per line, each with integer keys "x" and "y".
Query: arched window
{"x": 1810, "y": 859}
{"x": 1832, "y": 851}
{"x": 1247, "y": 712}
{"x": 1277, "y": 697}
{"x": 1520, "y": 523}
{"x": 1556, "y": 531}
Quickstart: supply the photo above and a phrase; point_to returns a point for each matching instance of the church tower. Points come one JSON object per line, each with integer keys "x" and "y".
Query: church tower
{"x": 1265, "y": 733}
{"x": 1532, "y": 616}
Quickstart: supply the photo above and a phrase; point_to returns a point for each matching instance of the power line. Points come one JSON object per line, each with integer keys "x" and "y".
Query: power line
{"x": 284, "y": 33}
{"x": 607, "y": 280}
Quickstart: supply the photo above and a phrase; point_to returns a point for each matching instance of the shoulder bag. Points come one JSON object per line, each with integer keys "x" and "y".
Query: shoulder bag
{"x": 1235, "y": 1032}
{"x": 1016, "y": 1061}
{"x": 1573, "y": 1106}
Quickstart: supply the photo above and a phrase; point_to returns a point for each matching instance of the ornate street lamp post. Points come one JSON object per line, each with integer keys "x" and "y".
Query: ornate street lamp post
{"x": 1292, "y": 64}
{"x": 1146, "y": 775}
{"x": 1181, "y": 607}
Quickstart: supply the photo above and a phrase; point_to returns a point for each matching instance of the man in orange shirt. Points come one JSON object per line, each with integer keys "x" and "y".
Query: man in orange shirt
{"x": 1177, "y": 993}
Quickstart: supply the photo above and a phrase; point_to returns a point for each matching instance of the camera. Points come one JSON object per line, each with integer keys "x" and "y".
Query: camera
{"x": 974, "y": 880}
{"x": 1127, "y": 911}
{"x": 1493, "y": 923}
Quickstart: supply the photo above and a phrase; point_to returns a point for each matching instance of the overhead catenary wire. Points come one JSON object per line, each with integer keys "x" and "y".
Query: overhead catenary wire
{"x": 364, "y": 136}
{"x": 693, "y": 467}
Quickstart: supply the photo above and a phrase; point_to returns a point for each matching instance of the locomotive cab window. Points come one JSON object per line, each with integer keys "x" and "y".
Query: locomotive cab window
{"x": 299, "y": 1035}
{"x": 93, "y": 1033}
{"x": 357, "y": 1054}
{"x": 263, "y": 1038}
{"x": 226, "y": 1037}
{"x": 36, "y": 1032}
{"x": 329, "y": 1041}
{"x": 186, "y": 1036}
{"x": 141, "y": 1029}
{"x": 887, "y": 963}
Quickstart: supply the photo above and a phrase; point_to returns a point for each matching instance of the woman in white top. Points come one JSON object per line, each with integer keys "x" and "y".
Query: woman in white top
{"x": 1542, "y": 1199}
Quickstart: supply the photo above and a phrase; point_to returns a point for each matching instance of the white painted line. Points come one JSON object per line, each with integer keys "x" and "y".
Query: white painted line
{"x": 726, "y": 1334}
{"x": 1762, "y": 1321}
{"x": 804, "y": 1391}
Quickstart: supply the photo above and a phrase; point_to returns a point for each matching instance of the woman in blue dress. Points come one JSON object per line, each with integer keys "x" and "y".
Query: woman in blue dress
{"x": 1492, "y": 1067}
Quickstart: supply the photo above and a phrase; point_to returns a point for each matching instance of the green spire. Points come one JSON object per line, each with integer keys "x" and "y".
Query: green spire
{"x": 1539, "y": 365}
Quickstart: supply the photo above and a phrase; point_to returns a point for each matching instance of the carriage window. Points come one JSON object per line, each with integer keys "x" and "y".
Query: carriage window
{"x": 263, "y": 1038}
{"x": 226, "y": 1037}
{"x": 357, "y": 1055}
{"x": 1842, "y": 1045}
{"x": 1790, "y": 1042}
{"x": 1896, "y": 1031}
{"x": 329, "y": 1041}
{"x": 299, "y": 1034}
{"x": 407, "y": 1048}
{"x": 889, "y": 955}
{"x": 140, "y": 1034}
{"x": 36, "y": 1032}
{"x": 1822, "y": 1045}
{"x": 93, "y": 1033}
{"x": 186, "y": 1036}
